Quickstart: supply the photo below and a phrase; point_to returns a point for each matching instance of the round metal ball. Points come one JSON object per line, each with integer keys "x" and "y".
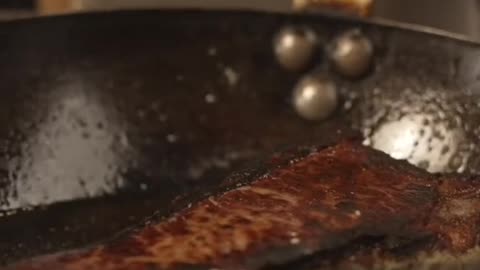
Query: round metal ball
{"x": 351, "y": 54}
{"x": 315, "y": 98}
{"x": 294, "y": 47}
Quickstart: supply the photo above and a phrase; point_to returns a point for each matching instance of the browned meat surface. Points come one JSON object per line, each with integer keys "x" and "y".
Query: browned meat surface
{"x": 332, "y": 207}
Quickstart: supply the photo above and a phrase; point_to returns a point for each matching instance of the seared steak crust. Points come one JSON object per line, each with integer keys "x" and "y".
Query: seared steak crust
{"x": 321, "y": 205}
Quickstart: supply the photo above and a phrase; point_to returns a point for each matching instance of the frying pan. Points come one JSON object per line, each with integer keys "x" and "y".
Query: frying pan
{"x": 106, "y": 118}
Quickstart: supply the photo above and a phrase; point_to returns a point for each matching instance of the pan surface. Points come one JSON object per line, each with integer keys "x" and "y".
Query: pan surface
{"x": 148, "y": 105}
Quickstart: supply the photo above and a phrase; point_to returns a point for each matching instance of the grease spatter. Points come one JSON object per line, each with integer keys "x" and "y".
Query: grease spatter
{"x": 231, "y": 75}
{"x": 212, "y": 51}
{"x": 172, "y": 138}
{"x": 210, "y": 98}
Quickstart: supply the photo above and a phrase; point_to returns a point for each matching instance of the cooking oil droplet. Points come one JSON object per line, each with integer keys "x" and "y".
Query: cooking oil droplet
{"x": 143, "y": 186}
{"x": 141, "y": 114}
{"x": 231, "y": 75}
{"x": 124, "y": 140}
{"x": 172, "y": 138}
{"x": 155, "y": 106}
{"x": 163, "y": 117}
{"x": 424, "y": 164}
{"x": 210, "y": 98}
{"x": 295, "y": 241}
{"x": 212, "y": 51}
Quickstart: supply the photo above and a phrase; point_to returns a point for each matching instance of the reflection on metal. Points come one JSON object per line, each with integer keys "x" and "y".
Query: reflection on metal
{"x": 430, "y": 147}
{"x": 72, "y": 154}
{"x": 315, "y": 98}
{"x": 421, "y": 121}
{"x": 294, "y": 47}
{"x": 351, "y": 54}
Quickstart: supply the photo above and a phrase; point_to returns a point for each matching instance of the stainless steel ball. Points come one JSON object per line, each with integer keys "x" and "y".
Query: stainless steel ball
{"x": 351, "y": 54}
{"x": 315, "y": 98}
{"x": 295, "y": 47}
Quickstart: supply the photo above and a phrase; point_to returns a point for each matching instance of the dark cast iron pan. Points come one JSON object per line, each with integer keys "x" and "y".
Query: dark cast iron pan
{"x": 106, "y": 118}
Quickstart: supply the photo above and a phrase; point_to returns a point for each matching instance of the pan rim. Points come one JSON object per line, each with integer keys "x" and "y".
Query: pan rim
{"x": 380, "y": 22}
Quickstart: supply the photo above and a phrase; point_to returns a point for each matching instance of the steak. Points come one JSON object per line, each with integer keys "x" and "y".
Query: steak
{"x": 344, "y": 206}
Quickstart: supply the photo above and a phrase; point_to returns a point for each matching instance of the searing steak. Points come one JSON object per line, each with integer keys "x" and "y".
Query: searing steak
{"x": 339, "y": 207}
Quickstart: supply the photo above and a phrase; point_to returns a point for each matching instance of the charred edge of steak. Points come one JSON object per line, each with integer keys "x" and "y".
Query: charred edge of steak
{"x": 362, "y": 253}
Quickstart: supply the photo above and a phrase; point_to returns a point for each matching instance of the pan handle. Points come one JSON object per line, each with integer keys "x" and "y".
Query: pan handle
{"x": 351, "y": 7}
